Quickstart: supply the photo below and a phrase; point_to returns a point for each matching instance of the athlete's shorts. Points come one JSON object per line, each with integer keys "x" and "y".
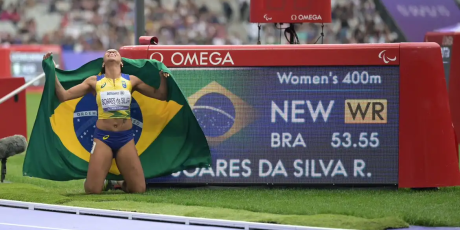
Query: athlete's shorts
{"x": 115, "y": 140}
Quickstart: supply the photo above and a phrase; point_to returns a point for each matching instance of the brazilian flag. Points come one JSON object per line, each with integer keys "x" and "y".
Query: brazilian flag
{"x": 168, "y": 137}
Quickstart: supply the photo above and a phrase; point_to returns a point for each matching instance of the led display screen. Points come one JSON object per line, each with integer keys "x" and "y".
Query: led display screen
{"x": 29, "y": 65}
{"x": 318, "y": 125}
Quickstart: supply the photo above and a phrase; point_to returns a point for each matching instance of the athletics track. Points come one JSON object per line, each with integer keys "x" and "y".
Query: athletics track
{"x": 15, "y": 215}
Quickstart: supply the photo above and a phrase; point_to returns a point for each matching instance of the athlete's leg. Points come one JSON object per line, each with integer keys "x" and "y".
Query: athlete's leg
{"x": 130, "y": 167}
{"x": 99, "y": 165}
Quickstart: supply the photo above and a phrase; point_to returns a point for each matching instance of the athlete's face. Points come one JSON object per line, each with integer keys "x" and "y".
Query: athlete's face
{"x": 112, "y": 55}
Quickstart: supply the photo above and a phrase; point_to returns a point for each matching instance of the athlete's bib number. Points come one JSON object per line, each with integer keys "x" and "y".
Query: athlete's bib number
{"x": 115, "y": 100}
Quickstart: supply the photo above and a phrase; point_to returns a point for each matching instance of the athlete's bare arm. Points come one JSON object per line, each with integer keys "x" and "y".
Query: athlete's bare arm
{"x": 75, "y": 92}
{"x": 161, "y": 93}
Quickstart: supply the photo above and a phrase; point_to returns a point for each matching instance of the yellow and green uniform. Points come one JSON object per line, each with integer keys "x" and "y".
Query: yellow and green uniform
{"x": 113, "y": 97}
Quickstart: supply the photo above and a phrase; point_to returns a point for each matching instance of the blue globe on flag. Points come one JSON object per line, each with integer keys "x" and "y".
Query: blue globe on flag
{"x": 216, "y": 114}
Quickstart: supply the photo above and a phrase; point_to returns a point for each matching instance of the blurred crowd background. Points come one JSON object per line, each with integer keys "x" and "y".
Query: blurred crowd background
{"x": 94, "y": 25}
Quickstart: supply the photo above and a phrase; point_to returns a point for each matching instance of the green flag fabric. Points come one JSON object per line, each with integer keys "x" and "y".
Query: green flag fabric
{"x": 168, "y": 137}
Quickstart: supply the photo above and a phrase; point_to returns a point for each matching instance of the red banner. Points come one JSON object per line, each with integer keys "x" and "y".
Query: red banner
{"x": 277, "y": 55}
{"x": 290, "y": 11}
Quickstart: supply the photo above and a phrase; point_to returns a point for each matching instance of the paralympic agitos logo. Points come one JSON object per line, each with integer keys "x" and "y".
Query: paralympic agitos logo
{"x": 202, "y": 58}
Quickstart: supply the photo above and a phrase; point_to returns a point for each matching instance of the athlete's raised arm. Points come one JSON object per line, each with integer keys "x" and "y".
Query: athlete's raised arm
{"x": 77, "y": 91}
{"x": 161, "y": 93}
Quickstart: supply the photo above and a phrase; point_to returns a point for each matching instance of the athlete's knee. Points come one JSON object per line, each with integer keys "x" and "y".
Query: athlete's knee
{"x": 136, "y": 188}
{"x": 92, "y": 189}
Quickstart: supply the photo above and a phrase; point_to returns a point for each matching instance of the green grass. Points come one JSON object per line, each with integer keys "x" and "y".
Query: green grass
{"x": 351, "y": 208}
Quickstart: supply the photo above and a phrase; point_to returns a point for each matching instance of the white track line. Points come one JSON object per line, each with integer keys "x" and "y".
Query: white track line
{"x": 32, "y": 226}
{"x": 155, "y": 217}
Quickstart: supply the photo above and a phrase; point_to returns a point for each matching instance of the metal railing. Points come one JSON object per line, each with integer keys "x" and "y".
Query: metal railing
{"x": 22, "y": 88}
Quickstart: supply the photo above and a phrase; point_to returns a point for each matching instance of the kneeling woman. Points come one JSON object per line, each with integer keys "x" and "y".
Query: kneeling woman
{"x": 113, "y": 137}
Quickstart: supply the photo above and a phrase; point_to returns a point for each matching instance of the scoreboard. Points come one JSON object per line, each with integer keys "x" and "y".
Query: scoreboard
{"x": 25, "y": 61}
{"x": 297, "y": 124}
{"x": 316, "y": 114}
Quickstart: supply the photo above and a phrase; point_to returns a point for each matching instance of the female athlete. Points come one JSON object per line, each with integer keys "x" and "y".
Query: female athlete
{"x": 113, "y": 137}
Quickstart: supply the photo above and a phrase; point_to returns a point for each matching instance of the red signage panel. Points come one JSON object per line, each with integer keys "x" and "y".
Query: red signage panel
{"x": 13, "y": 118}
{"x": 290, "y": 11}
{"x": 277, "y": 55}
{"x": 450, "y": 51}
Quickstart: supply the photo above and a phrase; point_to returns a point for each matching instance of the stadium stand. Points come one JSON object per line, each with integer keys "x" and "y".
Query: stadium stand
{"x": 90, "y": 25}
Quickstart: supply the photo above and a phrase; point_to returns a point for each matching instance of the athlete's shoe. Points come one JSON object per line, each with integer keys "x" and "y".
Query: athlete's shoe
{"x": 110, "y": 185}
{"x": 116, "y": 185}
{"x": 107, "y": 185}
